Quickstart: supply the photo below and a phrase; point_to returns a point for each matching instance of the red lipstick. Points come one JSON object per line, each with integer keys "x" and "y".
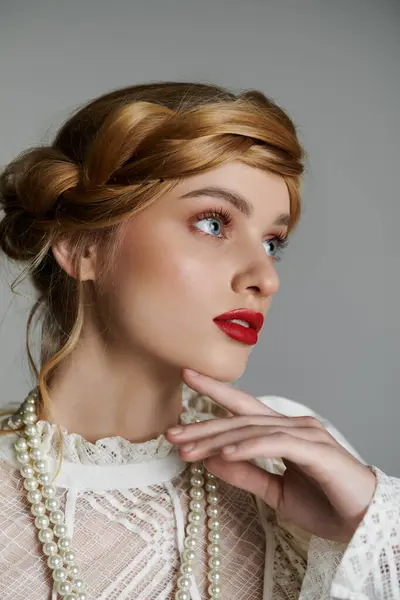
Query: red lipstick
{"x": 247, "y": 334}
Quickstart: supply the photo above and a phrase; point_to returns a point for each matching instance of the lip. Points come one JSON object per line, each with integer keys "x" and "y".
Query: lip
{"x": 253, "y": 318}
{"x": 245, "y": 335}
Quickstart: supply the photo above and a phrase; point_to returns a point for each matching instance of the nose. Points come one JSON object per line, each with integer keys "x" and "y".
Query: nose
{"x": 259, "y": 278}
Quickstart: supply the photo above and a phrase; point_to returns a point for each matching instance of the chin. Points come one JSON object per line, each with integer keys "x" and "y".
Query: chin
{"x": 223, "y": 365}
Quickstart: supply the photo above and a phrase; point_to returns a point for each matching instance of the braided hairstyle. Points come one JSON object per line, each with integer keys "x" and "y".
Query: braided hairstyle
{"x": 113, "y": 158}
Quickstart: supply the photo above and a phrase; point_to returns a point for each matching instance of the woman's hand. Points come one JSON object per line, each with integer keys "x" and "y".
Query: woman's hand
{"x": 324, "y": 489}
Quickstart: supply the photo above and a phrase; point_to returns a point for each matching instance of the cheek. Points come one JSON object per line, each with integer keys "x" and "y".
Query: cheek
{"x": 175, "y": 277}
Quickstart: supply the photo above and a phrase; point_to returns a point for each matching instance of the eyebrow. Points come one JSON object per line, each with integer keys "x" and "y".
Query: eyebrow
{"x": 236, "y": 200}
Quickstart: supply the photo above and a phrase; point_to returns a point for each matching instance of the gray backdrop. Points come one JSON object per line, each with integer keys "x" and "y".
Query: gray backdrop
{"x": 332, "y": 339}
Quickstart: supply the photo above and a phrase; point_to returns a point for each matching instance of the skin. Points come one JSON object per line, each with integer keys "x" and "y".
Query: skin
{"x": 324, "y": 489}
{"x": 153, "y": 314}
{"x": 153, "y": 317}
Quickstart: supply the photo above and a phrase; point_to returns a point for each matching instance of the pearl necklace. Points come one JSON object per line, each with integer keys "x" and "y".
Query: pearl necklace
{"x": 61, "y": 558}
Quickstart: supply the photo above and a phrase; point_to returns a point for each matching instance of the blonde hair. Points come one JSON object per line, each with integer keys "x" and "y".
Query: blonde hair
{"x": 113, "y": 158}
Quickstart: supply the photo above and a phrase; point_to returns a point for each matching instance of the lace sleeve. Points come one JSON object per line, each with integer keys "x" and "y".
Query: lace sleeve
{"x": 368, "y": 567}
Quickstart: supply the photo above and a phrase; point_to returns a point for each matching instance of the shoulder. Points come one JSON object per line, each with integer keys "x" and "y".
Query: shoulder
{"x": 291, "y": 408}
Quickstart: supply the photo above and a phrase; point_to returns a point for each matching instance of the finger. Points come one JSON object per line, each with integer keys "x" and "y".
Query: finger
{"x": 208, "y": 446}
{"x": 302, "y": 452}
{"x": 236, "y": 401}
{"x": 210, "y": 427}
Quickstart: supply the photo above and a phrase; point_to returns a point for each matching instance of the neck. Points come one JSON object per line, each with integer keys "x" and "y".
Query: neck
{"x": 97, "y": 394}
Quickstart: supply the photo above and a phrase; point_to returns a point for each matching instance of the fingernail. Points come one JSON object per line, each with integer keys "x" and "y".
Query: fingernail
{"x": 175, "y": 430}
{"x": 229, "y": 449}
{"x": 191, "y": 372}
{"x": 188, "y": 447}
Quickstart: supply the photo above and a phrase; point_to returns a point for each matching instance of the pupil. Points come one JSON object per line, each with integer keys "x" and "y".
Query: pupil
{"x": 214, "y": 227}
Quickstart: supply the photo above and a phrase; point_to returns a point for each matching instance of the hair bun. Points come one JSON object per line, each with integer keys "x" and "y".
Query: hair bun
{"x": 30, "y": 188}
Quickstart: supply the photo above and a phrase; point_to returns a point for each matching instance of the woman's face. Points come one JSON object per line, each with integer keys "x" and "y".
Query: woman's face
{"x": 185, "y": 260}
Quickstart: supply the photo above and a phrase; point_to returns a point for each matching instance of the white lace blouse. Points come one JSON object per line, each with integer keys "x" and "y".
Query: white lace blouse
{"x": 126, "y": 507}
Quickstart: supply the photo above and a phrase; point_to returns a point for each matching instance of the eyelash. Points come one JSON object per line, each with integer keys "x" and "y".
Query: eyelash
{"x": 225, "y": 216}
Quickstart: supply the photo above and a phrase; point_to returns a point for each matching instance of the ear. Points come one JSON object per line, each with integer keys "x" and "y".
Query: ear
{"x": 64, "y": 255}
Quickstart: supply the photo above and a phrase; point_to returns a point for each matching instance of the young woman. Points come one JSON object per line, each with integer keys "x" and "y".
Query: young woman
{"x": 150, "y": 229}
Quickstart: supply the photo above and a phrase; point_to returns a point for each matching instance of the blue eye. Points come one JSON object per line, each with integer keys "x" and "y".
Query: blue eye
{"x": 276, "y": 247}
{"x": 216, "y": 217}
{"x": 219, "y": 220}
{"x": 214, "y": 226}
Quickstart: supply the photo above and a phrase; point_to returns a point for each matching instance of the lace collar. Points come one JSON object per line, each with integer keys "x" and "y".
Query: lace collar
{"x": 109, "y": 463}
{"x": 107, "y": 451}
{"x": 110, "y": 450}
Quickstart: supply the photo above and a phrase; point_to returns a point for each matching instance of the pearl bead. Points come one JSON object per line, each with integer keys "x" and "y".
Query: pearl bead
{"x": 34, "y": 441}
{"x": 214, "y": 562}
{"x": 31, "y": 484}
{"x": 182, "y": 595}
{"x": 55, "y": 561}
{"x": 27, "y": 471}
{"x": 81, "y": 596}
{"x": 193, "y": 529}
{"x": 45, "y": 535}
{"x": 212, "y": 498}
{"x": 190, "y": 542}
{"x": 50, "y": 549}
{"x": 34, "y": 496}
{"x": 56, "y": 517}
{"x": 69, "y": 556}
{"x": 49, "y": 491}
{"x": 63, "y": 587}
{"x": 214, "y": 549}
{"x": 214, "y": 523}
{"x": 52, "y": 504}
{"x": 196, "y": 493}
{"x": 73, "y": 571}
{"x": 42, "y": 522}
{"x": 28, "y": 408}
{"x": 197, "y": 469}
{"x": 40, "y": 466}
{"x": 44, "y": 478}
{"x": 38, "y": 509}
{"x": 214, "y": 537}
{"x": 214, "y": 576}
{"x": 197, "y": 480}
{"x": 60, "y": 574}
{"x": 64, "y": 543}
{"x": 214, "y": 590}
{"x": 188, "y": 555}
{"x": 36, "y": 454}
{"x": 23, "y": 457}
{"x": 20, "y": 444}
{"x": 213, "y": 511}
{"x": 31, "y": 430}
{"x": 60, "y": 530}
{"x": 78, "y": 585}
{"x": 197, "y": 505}
{"x": 71, "y": 596}
{"x": 210, "y": 475}
{"x": 195, "y": 517}
{"x": 212, "y": 486}
{"x": 29, "y": 418}
{"x": 30, "y": 400}
{"x": 186, "y": 569}
{"x": 16, "y": 421}
{"x": 184, "y": 582}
